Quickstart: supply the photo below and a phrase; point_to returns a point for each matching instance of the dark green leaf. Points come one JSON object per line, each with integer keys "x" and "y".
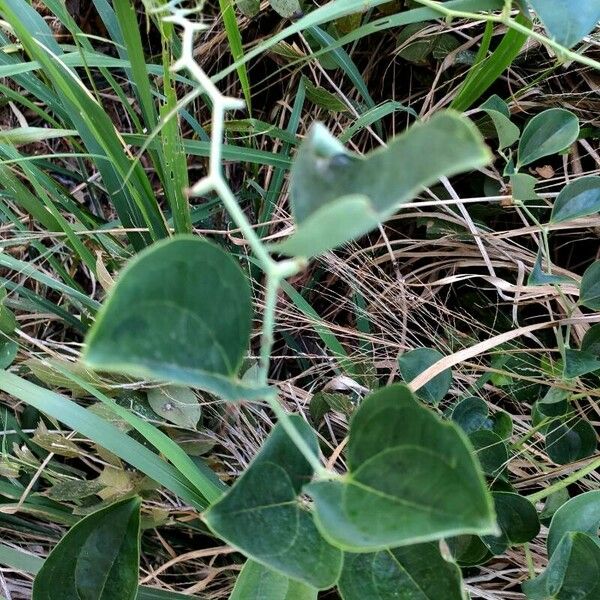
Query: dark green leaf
{"x": 572, "y": 573}
{"x": 97, "y": 559}
{"x": 581, "y": 513}
{"x": 539, "y": 277}
{"x": 570, "y": 442}
{"x": 180, "y": 312}
{"x": 337, "y": 196}
{"x": 567, "y": 22}
{"x": 579, "y": 198}
{"x": 413, "y": 363}
{"x": 248, "y": 7}
{"x": 469, "y": 550}
{"x": 548, "y": 133}
{"x": 491, "y": 451}
{"x": 591, "y": 340}
{"x": 405, "y": 573}
{"x": 496, "y": 109}
{"x": 323, "y": 98}
{"x": 263, "y": 517}
{"x": 589, "y": 291}
{"x": 517, "y": 519}
{"x": 579, "y": 362}
{"x": 412, "y": 478}
{"x": 472, "y": 415}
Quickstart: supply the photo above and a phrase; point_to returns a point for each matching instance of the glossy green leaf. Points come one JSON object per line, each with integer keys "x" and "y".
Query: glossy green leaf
{"x": 517, "y": 519}
{"x": 416, "y": 361}
{"x": 589, "y": 291}
{"x": 337, "y": 196}
{"x": 579, "y": 362}
{"x": 570, "y": 441}
{"x": 257, "y": 582}
{"x": 547, "y": 133}
{"x": 573, "y": 572}
{"x": 591, "y": 340}
{"x": 412, "y": 478}
{"x": 581, "y": 513}
{"x": 405, "y": 573}
{"x": 567, "y": 22}
{"x": 496, "y": 109}
{"x": 262, "y": 516}
{"x": 579, "y": 198}
{"x": 491, "y": 451}
{"x": 180, "y": 312}
{"x": 177, "y": 404}
{"x": 97, "y": 559}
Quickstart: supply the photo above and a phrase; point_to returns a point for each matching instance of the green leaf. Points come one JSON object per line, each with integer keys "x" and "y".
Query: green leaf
{"x": 416, "y": 361}
{"x": 517, "y": 519}
{"x": 287, "y": 8}
{"x": 579, "y": 362}
{"x": 491, "y": 451}
{"x": 257, "y": 582}
{"x": 567, "y": 22}
{"x": 496, "y": 109}
{"x": 573, "y": 571}
{"x": 412, "y": 478}
{"x": 523, "y": 187}
{"x": 548, "y": 133}
{"x": 469, "y": 550}
{"x": 591, "y": 340}
{"x": 176, "y": 404}
{"x": 589, "y": 291}
{"x": 97, "y": 559}
{"x": 321, "y": 97}
{"x": 471, "y": 414}
{"x": 180, "y": 312}
{"x": 405, "y": 573}
{"x": 581, "y": 513}
{"x": 570, "y": 442}
{"x": 539, "y": 277}
{"x": 248, "y": 8}
{"x": 262, "y": 516}
{"x": 579, "y": 198}
{"x": 337, "y": 196}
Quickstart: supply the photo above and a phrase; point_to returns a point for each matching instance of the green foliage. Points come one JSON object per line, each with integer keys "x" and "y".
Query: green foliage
{"x": 97, "y": 559}
{"x": 176, "y": 404}
{"x": 165, "y": 322}
{"x": 413, "y": 363}
{"x": 412, "y": 478}
{"x": 571, "y": 441}
{"x": 589, "y": 291}
{"x": 580, "y": 198}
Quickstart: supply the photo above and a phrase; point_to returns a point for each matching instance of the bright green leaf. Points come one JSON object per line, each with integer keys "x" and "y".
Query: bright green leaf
{"x": 262, "y": 516}
{"x": 97, "y": 559}
{"x": 180, "y": 312}
{"x": 579, "y": 198}
{"x": 405, "y": 573}
{"x": 548, "y": 133}
{"x": 416, "y": 361}
{"x": 412, "y": 478}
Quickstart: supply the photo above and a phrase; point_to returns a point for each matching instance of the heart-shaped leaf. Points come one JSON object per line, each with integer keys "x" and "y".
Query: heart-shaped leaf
{"x": 517, "y": 519}
{"x": 573, "y": 571}
{"x": 581, "y": 513}
{"x": 589, "y": 291}
{"x": 471, "y": 414}
{"x": 416, "y": 361}
{"x": 180, "y": 312}
{"x": 404, "y": 573}
{"x": 412, "y": 478}
{"x": 547, "y": 133}
{"x": 97, "y": 559}
{"x": 257, "y": 582}
{"x": 263, "y": 517}
{"x": 337, "y": 196}
{"x": 567, "y": 22}
{"x": 579, "y": 198}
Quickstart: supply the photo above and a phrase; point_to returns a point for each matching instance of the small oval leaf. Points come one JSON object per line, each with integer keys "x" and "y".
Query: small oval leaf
{"x": 416, "y": 361}
{"x": 589, "y": 291}
{"x": 579, "y": 198}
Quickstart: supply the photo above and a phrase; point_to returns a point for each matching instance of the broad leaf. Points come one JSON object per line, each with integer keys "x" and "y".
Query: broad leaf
{"x": 491, "y": 451}
{"x": 547, "y": 133}
{"x": 416, "y": 361}
{"x": 589, "y": 291}
{"x": 405, "y": 573}
{"x": 571, "y": 441}
{"x": 180, "y": 312}
{"x": 579, "y": 198}
{"x": 579, "y": 362}
{"x": 176, "y": 404}
{"x": 581, "y": 513}
{"x": 97, "y": 559}
{"x": 257, "y": 582}
{"x": 471, "y": 414}
{"x": 591, "y": 340}
{"x": 567, "y": 22}
{"x": 496, "y": 109}
{"x": 523, "y": 187}
{"x": 517, "y": 519}
{"x": 337, "y": 196}
{"x": 469, "y": 550}
{"x": 262, "y": 516}
{"x": 412, "y": 478}
{"x": 573, "y": 571}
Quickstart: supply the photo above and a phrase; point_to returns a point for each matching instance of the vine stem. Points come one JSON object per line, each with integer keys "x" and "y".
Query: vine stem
{"x": 504, "y": 19}
{"x": 563, "y": 483}
{"x": 275, "y": 272}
